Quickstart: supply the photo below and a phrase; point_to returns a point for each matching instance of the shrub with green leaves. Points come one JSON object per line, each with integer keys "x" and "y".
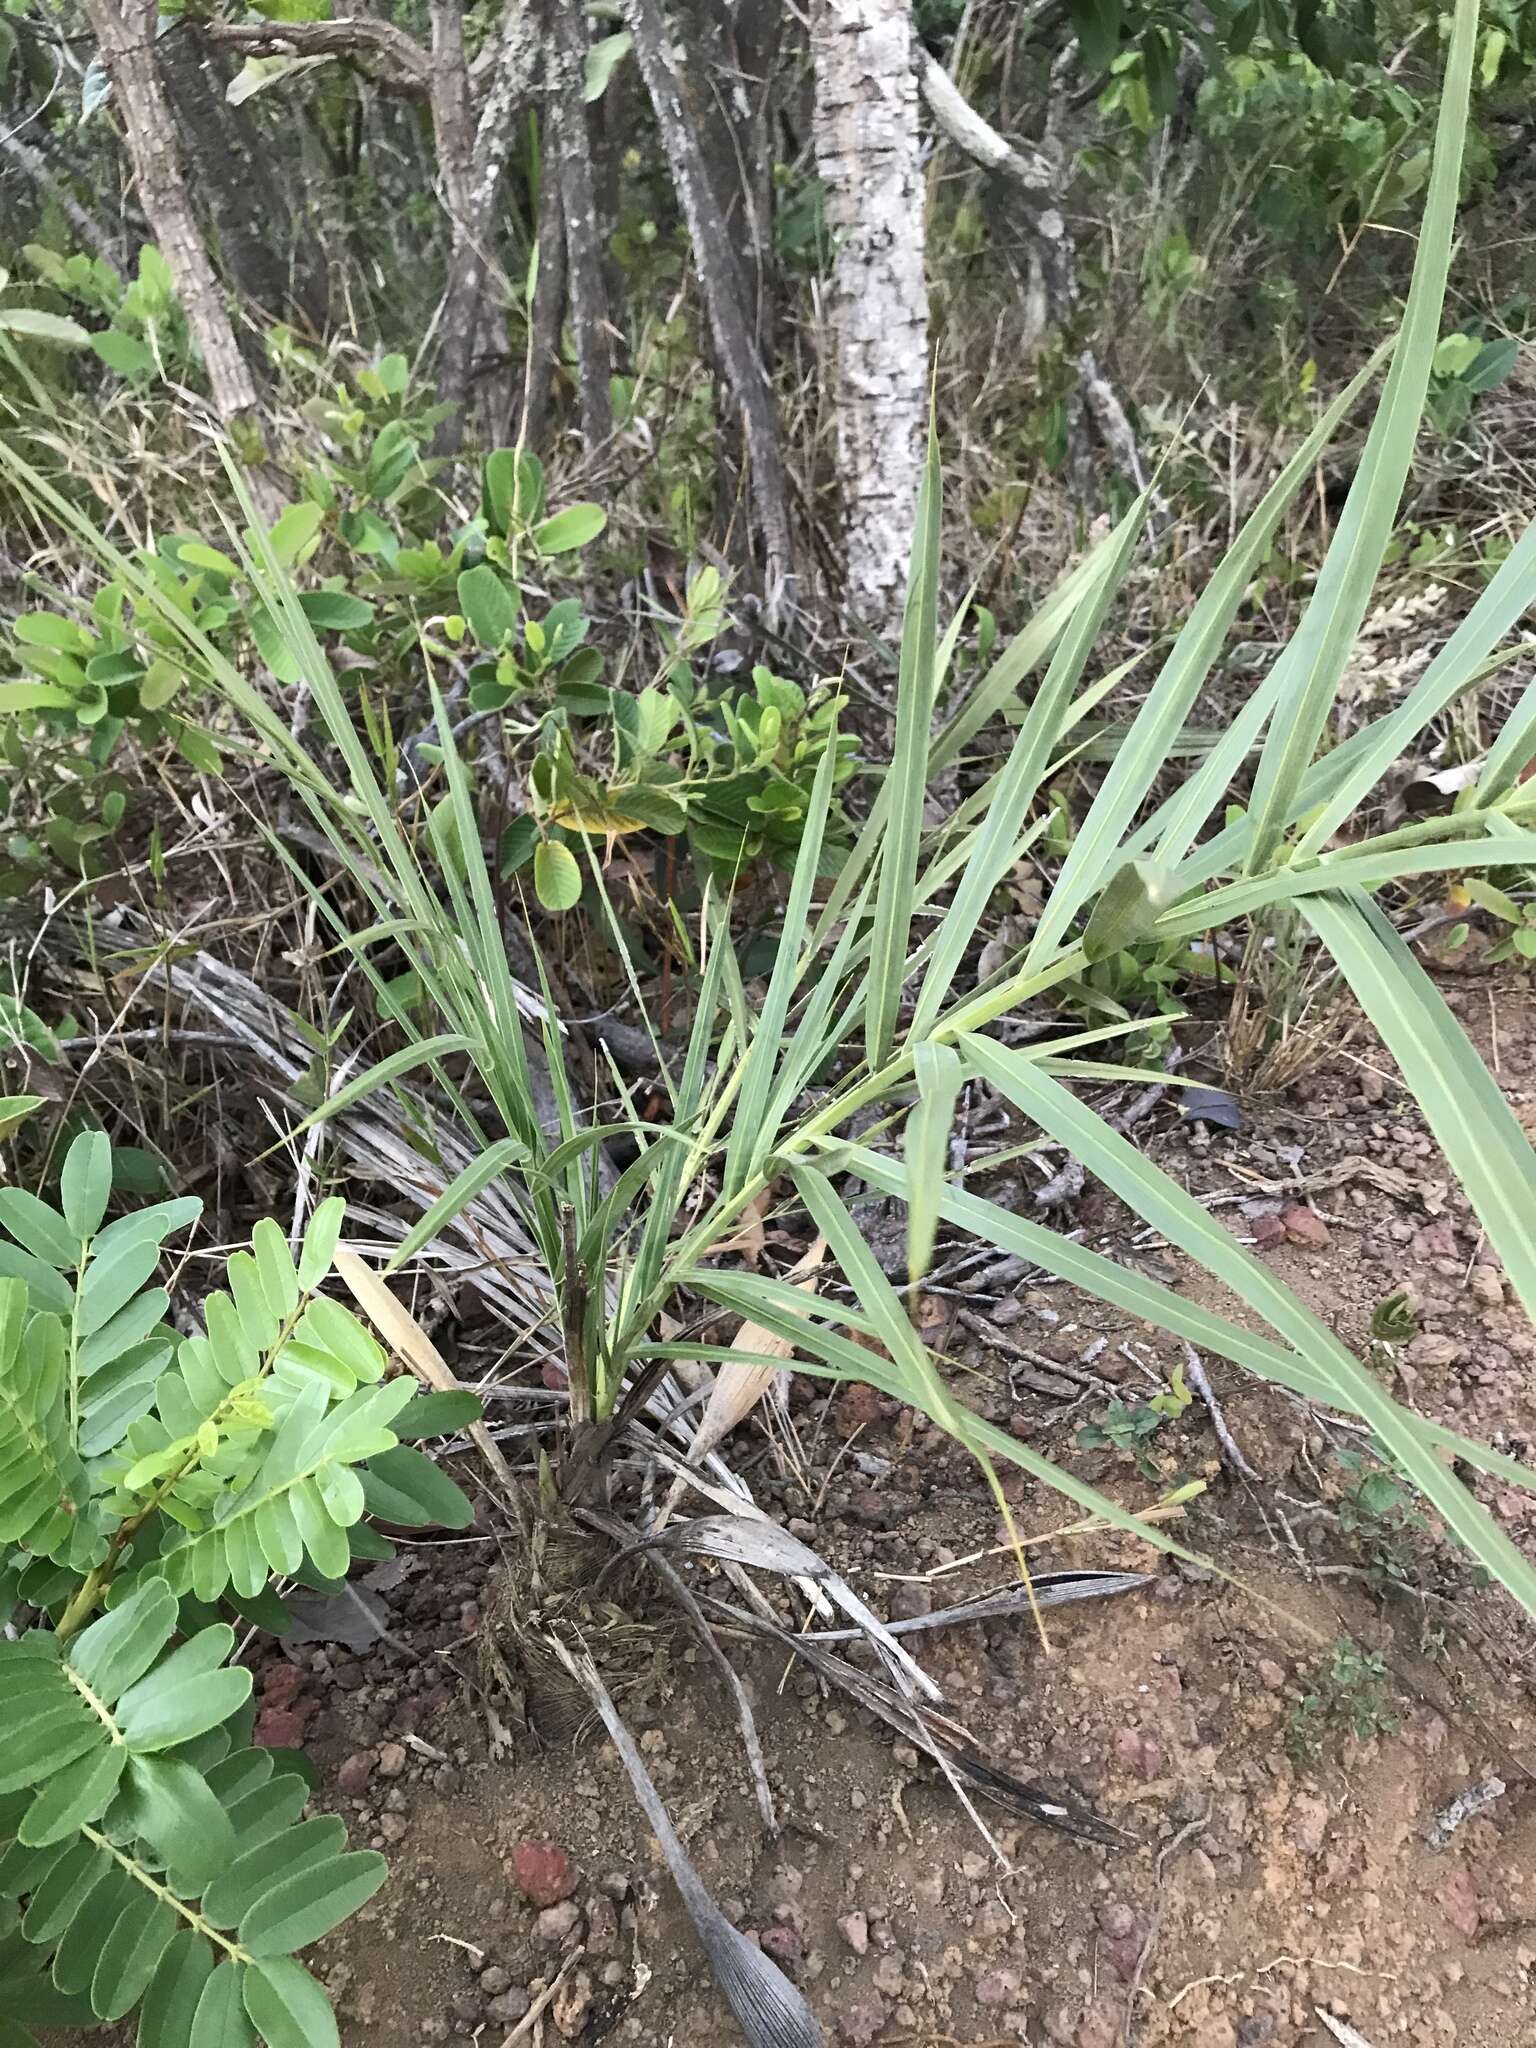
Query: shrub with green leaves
{"x": 150, "y": 1858}
{"x": 402, "y": 596}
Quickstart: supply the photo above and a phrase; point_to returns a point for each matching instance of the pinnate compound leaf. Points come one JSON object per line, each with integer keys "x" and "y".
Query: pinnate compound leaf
{"x": 39, "y": 1229}
{"x": 172, "y": 1808}
{"x": 220, "y": 2020}
{"x": 73, "y": 1797}
{"x": 404, "y": 1486}
{"x": 556, "y": 876}
{"x": 131, "y": 1952}
{"x": 122, "y": 1645}
{"x": 303, "y": 1907}
{"x": 576, "y": 527}
{"x": 320, "y": 1241}
{"x": 85, "y": 1185}
{"x": 170, "y": 2004}
{"x": 184, "y": 1695}
{"x": 257, "y": 1870}
{"x": 287, "y": 2006}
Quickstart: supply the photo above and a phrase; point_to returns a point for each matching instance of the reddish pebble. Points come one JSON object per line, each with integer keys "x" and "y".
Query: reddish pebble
{"x": 782, "y": 1943}
{"x": 543, "y": 1873}
{"x": 1304, "y": 1225}
{"x": 282, "y": 1727}
{"x": 280, "y": 1685}
{"x": 858, "y": 1407}
{"x": 355, "y": 1773}
{"x": 1459, "y": 1902}
{"x": 1138, "y": 1753}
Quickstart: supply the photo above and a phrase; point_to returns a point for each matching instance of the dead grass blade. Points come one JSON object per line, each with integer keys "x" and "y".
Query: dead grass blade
{"x": 768, "y": 2008}
{"x": 410, "y": 1342}
{"x": 740, "y": 1385}
{"x": 740, "y": 1539}
{"x": 1053, "y": 1589}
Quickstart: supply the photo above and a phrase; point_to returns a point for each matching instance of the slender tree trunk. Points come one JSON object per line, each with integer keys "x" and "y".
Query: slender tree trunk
{"x": 583, "y": 232}
{"x": 125, "y": 36}
{"x": 462, "y": 314}
{"x": 1032, "y": 177}
{"x": 729, "y": 326}
{"x": 731, "y": 51}
{"x": 548, "y": 304}
{"x": 237, "y": 183}
{"x": 867, "y": 151}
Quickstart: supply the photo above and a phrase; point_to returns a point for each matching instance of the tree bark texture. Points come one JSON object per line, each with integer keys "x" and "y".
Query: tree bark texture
{"x": 548, "y": 316}
{"x": 125, "y": 36}
{"x": 730, "y": 328}
{"x": 733, "y": 51}
{"x": 237, "y": 182}
{"x": 867, "y": 152}
{"x": 586, "y": 280}
{"x": 479, "y": 148}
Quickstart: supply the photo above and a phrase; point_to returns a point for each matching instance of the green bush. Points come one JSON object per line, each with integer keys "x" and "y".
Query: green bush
{"x": 401, "y": 594}
{"x": 150, "y": 1858}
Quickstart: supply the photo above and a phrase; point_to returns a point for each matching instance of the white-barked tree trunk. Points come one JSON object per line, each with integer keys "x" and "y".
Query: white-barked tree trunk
{"x": 868, "y": 155}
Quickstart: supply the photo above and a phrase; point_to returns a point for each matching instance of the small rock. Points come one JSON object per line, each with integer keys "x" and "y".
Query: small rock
{"x": 783, "y": 1944}
{"x": 888, "y": 1975}
{"x": 1271, "y": 1675}
{"x": 1303, "y": 1225}
{"x": 864, "y": 2020}
{"x": 910, "y": 1602}
{"x": 509, "y": 2006}
{"x": 556, "y": 1924}
{"x": 282, "y": 1727}
{"x": 392, "y": 1759}
{"x": 1436, "y": 1240}
{"x": 281, "y": 1684}
{"x": 1137, "y": 1753}
{"x": 1217, "y": 2033}
{"x": 1098, "y": 2030}
{"x": 602, "y": 1926}
{"x": 854, "y": 1928}
{"x": 993, "y": 1919}
{"x": 355, "y": 1773}
{"x": 857, "y": 1407}
{"x": 573, "y": 2005}
{"x": 542, "y": 1872}
{"x": 392, "y": 1827}
{"x": 1433, "y": 1347}
{"x": 1486, "y": 1285}
{"x": 1309, "y": 1825}
{"x": 495, "y": 1980}
{"x": 1459, "y": 1902}
{"x": 997, "y": 1987}
{"x": 1373, "y": 1086}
